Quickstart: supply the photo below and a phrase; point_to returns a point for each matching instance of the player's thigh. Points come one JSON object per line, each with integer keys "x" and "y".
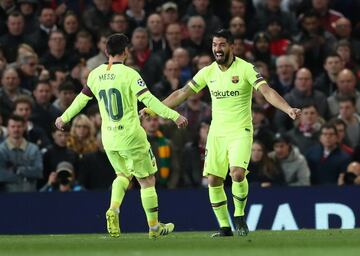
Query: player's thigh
{"x": 141, "y": 162}
{"x": 239, "y": 151}
{"x": 216, "y": 161}
{"x": 117, "y": 162}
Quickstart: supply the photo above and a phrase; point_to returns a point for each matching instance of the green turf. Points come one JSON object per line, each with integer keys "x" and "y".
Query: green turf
{"x": 304, "y": 243}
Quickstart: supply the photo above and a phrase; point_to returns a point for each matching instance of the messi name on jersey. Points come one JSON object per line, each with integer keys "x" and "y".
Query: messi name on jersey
{"x": 107, "y": 76}
{"x": 224, "y": 94}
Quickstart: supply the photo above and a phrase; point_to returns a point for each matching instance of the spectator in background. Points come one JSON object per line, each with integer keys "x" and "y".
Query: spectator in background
{"x": 3, "y": 130}
{"x": 97, "y": 16}
{"x": 197, "y": 41}
{"x": 261, "y": 125}
{"x": 306, "y": 133}
{"x": 82, "y": 136}
{"x": 283, "y": 81}
{"x": 170, "y": 80}
{"x": 149, "y": 63}
{"x": 345, "y": 82}
{"x": 169, "y": 13}
{"x": 173, "y": 40}
{"x": 33, "y": 133}
{"x": 62, "y": 179}
{"x": 262, "y": 169}
{"x": 162, "y": 148}
{"x": 155, "y": 27}
{"x": 293, "y": 164}
{"x": 95, "y": 170}
{"x": 57, "y": 152}
{"x": 343, "y": 48}
{"x": 67, "y": 93}
{"x": 93, "y": 113}
{"x": 57, "y": 56}
{"x": 56, "y": 77}
{"x": 20, "y": 160}
{"x": 47, "y": 24}
{"x": 279, "y": 42}
{"x": 298, "y": 52}
{"x": 327, "y": 16}
{"x": 342, "y": 138}
{"x": 326, "y": 160}
{"x": 261, "y": 50}
{"x": 194, "y": 156}
{"x": 326, "y": 81}
{"x": 237, "y": 27}
{"x": 70, "y": 27}
{"x": 83, "y": 48}
{"x": 182, "y": 57}
{"x": 28, "y": 70}
{"x": 43, "y": 112}
{"x": 239, "y": 47}
{"x": 316, "y": 41}
{"x": 136, "y": 14}
{"x": 100, "y": 58}
{"x": 202, "y": 8}
{"x": 347, "y": 113}
{"x": 15, "y": 36}
{"x": 302, "y": 94}
{"x": 28, "y": 9}
{"x": 351, "y": 176}
{"x": 119, "y": 24}
{"x": 6, "y": 7}
{"x": 9, "y": 90}
{"x": 343, "y": 31}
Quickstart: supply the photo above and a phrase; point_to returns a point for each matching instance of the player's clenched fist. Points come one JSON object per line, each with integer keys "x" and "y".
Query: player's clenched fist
{"x": 294, "y": 113}
{"x": 181, "y": 122}
{"x": 59, "y": 123}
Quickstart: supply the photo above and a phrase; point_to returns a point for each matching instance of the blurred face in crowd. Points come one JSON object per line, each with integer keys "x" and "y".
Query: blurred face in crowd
{"x": 57, "y": 42}
{"x": 15, "y": 25}
{"x": 136, "y": 5}
{"x": 172, "y": 69}
{"x": 273, "y": 4}
{"x": 346, "y": 82}
{"x": 155, "y": 24}
{"x": 60, "y": 137}
{"x": 309, "y": 116}
{"x": 15, "y": 129}
{"x": 284, "y": 68}
{"x": 47, "y": 17}
{"x": 29, "y": 68}
{"x": 203, "y": 61}
{"x": 346, "y": 110}
{"x": 282, "y": 150}
{"x": 333, "y": 65}
{"x": 103, "y": 5}
{"x": 328, "y": 138}
{"x": 262, "y": 45}
{"x": 139, "y": 40}
{"x": 320, "y": 4}
{"x": 274, "y": 29}
{"x": 150, "y": 124}
{"x": 303, "y": 80}
{"x": 26, "y": 8}
{"x": 221, "y": 49}
{"x": 10, "y": 80}
{"x": 42, "y": 93}
{"x": 119, "y": 23}
{"x": 66, "y": 97}
{"x": 237, "y": 26}
{"x": 169, "y": 15}
{"x": 257, "y": 152}
{"x": 71, "y": 24}
{"x": 343, "y": 28}
{"x": 345, "y": 53}
{"x": 341, "y": 132}
{"x": 102, "y": 44}
{"x": 311, "y": 24}
{"x": 238, "y": 9}
{"x": 173, "y": 34}
{"x": 60, "y": 77}
{"x": 181, "y": 56}
{"x": 82, "y": 129}
{"x": 257, "y": 118}
{"x": 196, "y": 28}
{"x": 23, "y": 109}
{"x": 263, "y": 69}
{"x": 201, "y": 6}
{"x": 83, "y": 44}
{"x": 297, "y": 51}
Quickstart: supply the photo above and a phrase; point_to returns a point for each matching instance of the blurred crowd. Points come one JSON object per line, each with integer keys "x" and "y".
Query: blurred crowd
{"x": 308, "y": 50}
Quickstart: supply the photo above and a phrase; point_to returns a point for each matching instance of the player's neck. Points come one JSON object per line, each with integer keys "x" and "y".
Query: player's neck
{"x": 226, "y": 65}
{"x": 116, "y": 59}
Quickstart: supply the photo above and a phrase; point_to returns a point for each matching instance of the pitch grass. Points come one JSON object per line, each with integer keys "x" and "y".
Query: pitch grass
{"x": 303, "y": 242}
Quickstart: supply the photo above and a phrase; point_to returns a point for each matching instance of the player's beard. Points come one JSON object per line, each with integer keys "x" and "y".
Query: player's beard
{"x": 223, "y": 59}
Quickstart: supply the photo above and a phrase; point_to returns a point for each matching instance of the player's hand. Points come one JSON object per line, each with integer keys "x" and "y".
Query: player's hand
{"x": 59, "y": 123}
{"x": 181, "y": 122}
{"x": 145, "y": 112}
{"x": 294, "y": 113}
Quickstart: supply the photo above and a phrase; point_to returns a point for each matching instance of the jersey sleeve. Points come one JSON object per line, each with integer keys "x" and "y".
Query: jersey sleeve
{"x": 253, "y": 76}
{"x": 198, "y": 82}
{"x": 138, "y": 85}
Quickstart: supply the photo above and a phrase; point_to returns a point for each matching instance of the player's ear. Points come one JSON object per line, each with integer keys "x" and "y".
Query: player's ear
{"x": 106, "y": 53}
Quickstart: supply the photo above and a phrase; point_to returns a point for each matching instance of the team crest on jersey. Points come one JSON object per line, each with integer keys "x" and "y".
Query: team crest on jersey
{"x": 141, "y": 82}
{"x": 235, "y": 79}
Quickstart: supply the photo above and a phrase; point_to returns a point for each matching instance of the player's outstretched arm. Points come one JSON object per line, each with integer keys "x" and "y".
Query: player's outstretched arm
{"x": 178, "y": 96}
{"x": 76, "y": 106}
{"x": 277, "y": 101}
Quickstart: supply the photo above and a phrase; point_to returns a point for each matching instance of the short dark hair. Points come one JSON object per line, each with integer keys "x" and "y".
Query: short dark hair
{"x": 224, "y": 33}
{"x": 16, "y": 118}
{"x": 345, "y": 98}
{"x": 116, "y": 44}
{"x": 332, "y": 55}
{"x": 328, "y": 126}
{"x": 338, "y": 121}
{"x": 23, "y": 99}
{"x": 67, "y": 85}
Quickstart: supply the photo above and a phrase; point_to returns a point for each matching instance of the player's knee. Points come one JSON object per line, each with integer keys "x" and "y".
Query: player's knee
{"x": 238, "y": 174}
{"x": 215, "y": 181}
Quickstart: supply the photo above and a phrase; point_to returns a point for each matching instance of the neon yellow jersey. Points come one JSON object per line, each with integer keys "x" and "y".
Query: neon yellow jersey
{"x": 117, "y": 89}
{"x": 231, "y": 95}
